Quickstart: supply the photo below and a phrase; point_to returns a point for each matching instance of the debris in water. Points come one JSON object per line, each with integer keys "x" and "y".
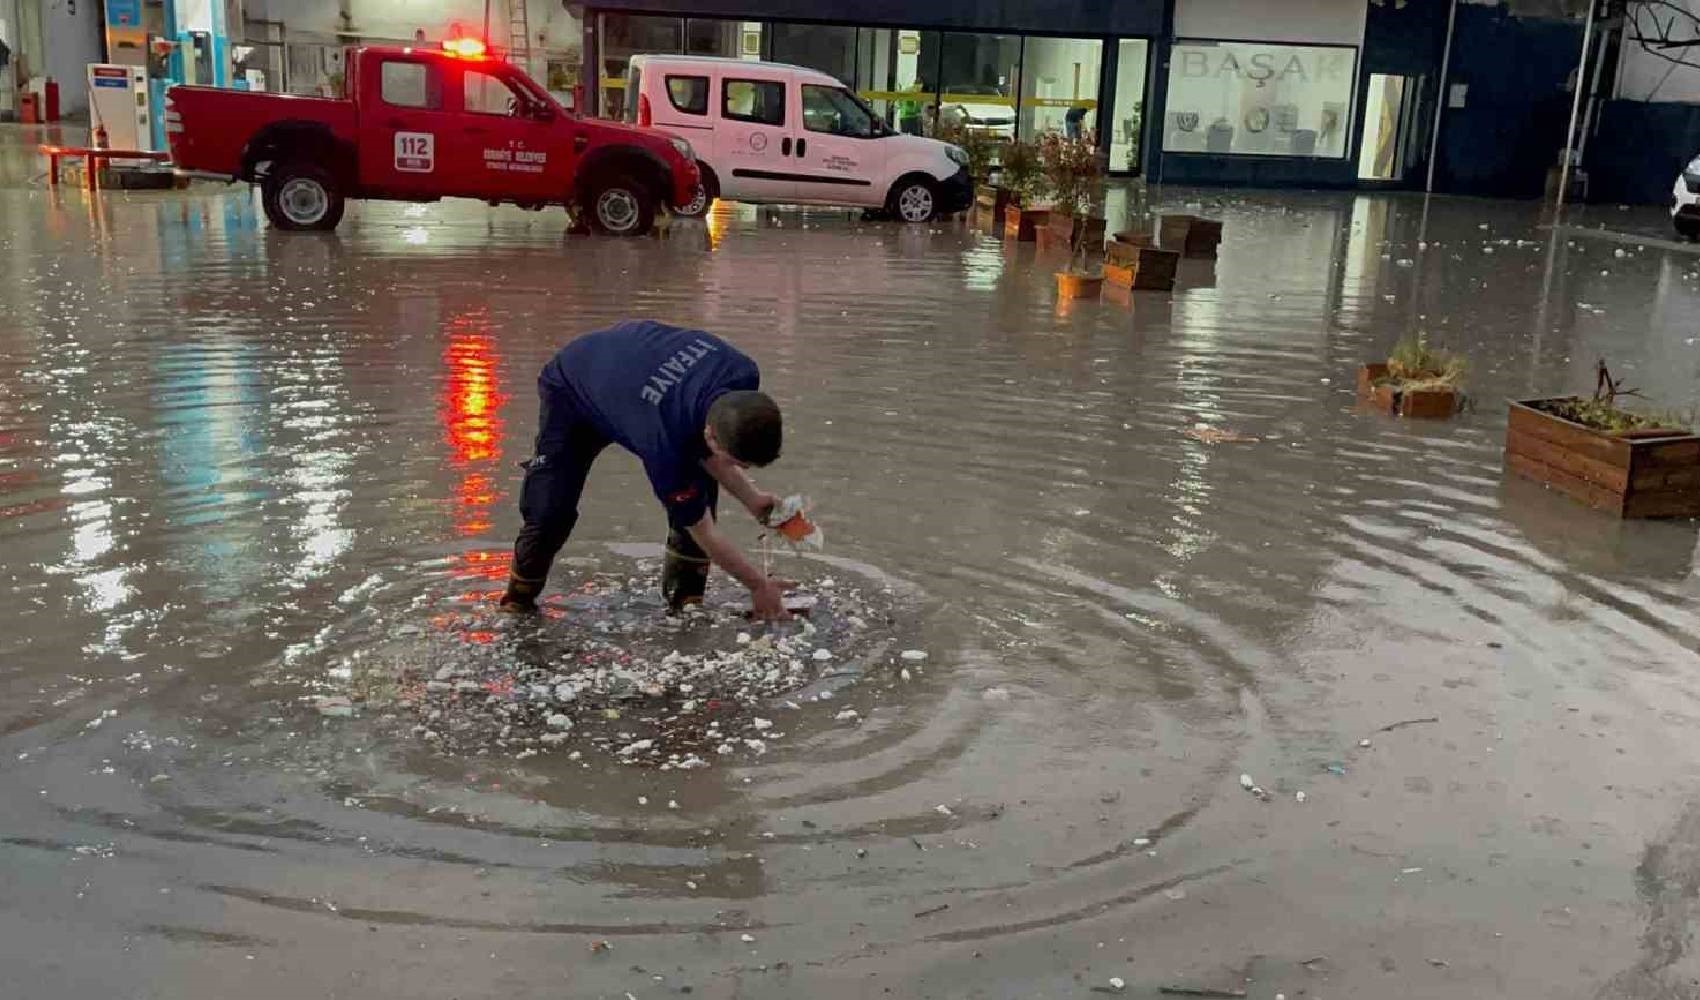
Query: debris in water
{"x": 1299, "y": 797}
{"x": 936, "y": 909}
{"x": 914, "y": 655}
{"x": 1118, "y": 983}
{"x": 1218, "y": 435}
{"x": 334, "y": 706}
{"x": 747, "y": 938}
{"x": 995, "y": 694}
{"x": 1339, "y": 769}
{"x": 1401, "y": 725}
{"x": 1196, "y": 991}
{"x": 1364, "y": 742}
{"x": 848, "y": 715}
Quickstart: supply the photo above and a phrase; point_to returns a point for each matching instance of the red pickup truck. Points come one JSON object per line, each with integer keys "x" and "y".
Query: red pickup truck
{"x": 418, "y": 124}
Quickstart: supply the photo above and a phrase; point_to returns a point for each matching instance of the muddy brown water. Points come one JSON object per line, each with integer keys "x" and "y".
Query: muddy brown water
{"x": 231, "y": 459}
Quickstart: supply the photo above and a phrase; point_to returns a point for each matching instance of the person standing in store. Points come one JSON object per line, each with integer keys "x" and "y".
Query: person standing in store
{"x": 686, "y": 403}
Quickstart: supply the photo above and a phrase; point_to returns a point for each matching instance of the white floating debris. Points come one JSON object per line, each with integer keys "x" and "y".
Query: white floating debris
{"x": 761, "y": 724}
{"x": 747, "y": 938}
{"x": 1118, "y": 983}
{"x": 1246, "y": 782}
{"x": 744, "y": 638}
{"x": 643, "y": 800}
{"x": 943, "y": 810}
{"x": 638, "y": 747}
{"x": 1410, "y": 871}
{"x": 822, "y": 655}
{"x": 848, "y": 715}
{"x": 914, "y": 655}
{"x": 560, "y": 721}
{"x": 1142, "y": 841}
{"x": 1299, "y": 797}
{"x": 1364, "y": 742}
{"x": 995, "y": 694}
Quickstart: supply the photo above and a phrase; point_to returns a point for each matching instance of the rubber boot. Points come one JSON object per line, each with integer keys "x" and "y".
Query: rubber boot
{"x": 684, "y": 572}
{"x": 521, "y": 595}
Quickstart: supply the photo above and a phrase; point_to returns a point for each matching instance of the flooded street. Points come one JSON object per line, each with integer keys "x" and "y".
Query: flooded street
{"x": 241, "y": 470}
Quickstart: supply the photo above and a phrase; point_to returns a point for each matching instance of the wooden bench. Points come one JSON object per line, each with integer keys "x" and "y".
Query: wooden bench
{"x": 91, "y": 158}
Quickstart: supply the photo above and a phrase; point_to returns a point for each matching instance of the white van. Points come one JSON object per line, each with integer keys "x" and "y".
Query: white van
{"x": 768, "y": 132}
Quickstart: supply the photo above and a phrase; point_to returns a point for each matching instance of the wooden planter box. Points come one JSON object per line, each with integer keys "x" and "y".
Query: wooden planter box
{"x": 1136, "y": 238}
{"x": 1071, "y": 285}
{"x": 1190, "y": 235}
{"x": 992, "y": 202}
{"x": 1203, "y": 238}
{"x": 1147, "y": 268}
{"x": 1023, "y": 224}
{"x": 1639, "y": 474}
{"x": 1423, "y": 404}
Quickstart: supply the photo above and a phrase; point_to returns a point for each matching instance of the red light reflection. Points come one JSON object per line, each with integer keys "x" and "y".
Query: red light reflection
{"x": 471, "y": 408}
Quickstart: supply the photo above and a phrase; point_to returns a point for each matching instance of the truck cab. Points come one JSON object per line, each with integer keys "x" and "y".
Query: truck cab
{"x": 418, "y": 124}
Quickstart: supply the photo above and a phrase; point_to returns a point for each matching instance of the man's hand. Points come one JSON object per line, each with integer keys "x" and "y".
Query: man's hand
{"x": 767, "y": 603}
{"x": 762, "y": 506}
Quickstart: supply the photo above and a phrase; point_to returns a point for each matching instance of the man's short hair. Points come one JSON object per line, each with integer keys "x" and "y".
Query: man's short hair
{"x": 747, "y": 425}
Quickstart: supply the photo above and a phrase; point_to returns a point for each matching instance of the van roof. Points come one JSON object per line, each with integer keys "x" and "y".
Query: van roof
{"x": 663, "y": 57}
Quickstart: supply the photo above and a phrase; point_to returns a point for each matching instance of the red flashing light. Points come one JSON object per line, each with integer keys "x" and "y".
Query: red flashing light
{"x": 646, "y": 117}
{"x": 465, "y": 48}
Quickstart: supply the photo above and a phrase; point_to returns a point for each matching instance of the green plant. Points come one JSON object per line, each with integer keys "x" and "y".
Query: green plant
{"x": 1414, "y": 365}
{"x": 1022, "y": 173}
{"x": 1602, "y": 413}
{"x": 981, "y": 147}
{"x": 1072, "y": 172}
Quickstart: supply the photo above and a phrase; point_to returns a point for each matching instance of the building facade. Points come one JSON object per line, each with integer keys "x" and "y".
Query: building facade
{"x": 1268, "y": 92}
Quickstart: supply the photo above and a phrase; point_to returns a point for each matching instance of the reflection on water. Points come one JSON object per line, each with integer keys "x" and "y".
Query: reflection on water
{"x": 237, "y": 467}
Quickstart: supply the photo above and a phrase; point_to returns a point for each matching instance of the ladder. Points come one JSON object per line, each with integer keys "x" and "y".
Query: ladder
{"x": 519, "y": 36}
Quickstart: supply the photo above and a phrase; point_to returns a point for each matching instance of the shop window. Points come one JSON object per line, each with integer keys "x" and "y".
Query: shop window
{"x": 896, "y": 73}
{"x": 688, "y": 94}
{"x": 758, "y": 101}
{"x": 1059, "y": 86}
{"x": 708, "y": 37}
{"x": 829, "y": 49}
{"x": 833, "y": 111}
{"x": 409, "y": 85}
{"x": 627, "y": 35}
{"x": 1127, "y": 112}
{"x": 486, "y": 95}
{"x": 978, "y": 82}
{"x": 1257, "y": 99}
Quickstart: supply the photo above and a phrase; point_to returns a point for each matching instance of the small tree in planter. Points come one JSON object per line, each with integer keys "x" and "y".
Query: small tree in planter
{"x": 1074, "y": 176}
{"x": 1416, "y": 381}
{"x": 1023, "y": 176}
{"x": 1630, "y": 464}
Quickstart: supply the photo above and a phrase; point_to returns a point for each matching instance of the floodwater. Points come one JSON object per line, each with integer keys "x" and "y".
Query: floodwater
{"x": 233, "y": 461}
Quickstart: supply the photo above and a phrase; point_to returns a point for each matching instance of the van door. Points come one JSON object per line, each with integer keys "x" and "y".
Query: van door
{"x": 403, "y": 126}
{"x": 840, "y": 157}
{"x": 752, "y": 138}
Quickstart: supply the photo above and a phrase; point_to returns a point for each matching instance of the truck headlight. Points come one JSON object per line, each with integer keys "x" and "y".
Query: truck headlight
{"x": 684, "y": 148}
{"x": 957, "y": 155}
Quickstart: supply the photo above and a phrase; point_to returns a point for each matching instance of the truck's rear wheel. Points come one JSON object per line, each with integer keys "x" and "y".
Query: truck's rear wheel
{"x": 302, "y": 196}
{"x": 621, "y": 207}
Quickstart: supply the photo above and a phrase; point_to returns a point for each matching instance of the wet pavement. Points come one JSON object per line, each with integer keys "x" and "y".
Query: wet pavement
{"x": 240, "y": 470}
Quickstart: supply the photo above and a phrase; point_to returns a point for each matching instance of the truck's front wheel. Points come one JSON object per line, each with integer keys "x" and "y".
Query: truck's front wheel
{"x": 302, "y": 196}
{"x": 621, "y": 207}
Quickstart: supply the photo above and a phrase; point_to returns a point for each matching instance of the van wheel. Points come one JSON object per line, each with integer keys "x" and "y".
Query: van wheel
{"x": 1687, "y": 227}
{"x": 707, "y": 192}
{"x": 914, "y": 199}
{"x": 621, "y": 207}
{"x": 299, "y": 195}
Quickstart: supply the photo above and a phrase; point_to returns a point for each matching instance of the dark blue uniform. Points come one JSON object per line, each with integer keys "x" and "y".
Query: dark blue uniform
{"x": 645, "y": 386}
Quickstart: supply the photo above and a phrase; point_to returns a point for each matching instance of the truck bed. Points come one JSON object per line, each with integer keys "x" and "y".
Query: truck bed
{"x": 212, "y": 126}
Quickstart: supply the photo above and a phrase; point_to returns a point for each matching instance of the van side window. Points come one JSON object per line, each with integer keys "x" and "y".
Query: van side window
{"x": 759, "y": 101}
{"x": 688, "y": 94}
{"x": 833, "y": 111}
{"x": 409, "y": 85}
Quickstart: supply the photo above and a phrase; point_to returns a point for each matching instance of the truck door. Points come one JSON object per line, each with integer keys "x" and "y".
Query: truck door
{"x": 509, "y": 145}
{"x": 752, "y": 139}
{"x": 403, "y": 125}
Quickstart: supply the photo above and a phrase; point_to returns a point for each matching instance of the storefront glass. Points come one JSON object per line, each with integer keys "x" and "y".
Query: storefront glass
{"x": 829, "y": 49}
{"x": 627, "y": 35}
{"x": 1257, "y": 99}
{"x": 979, "y": 77}
{"x": 712, "y": 38}
{"x": 892, "y": 76}
{"x": 1059, "y": 86}
{"x": 1128, "y": 108}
